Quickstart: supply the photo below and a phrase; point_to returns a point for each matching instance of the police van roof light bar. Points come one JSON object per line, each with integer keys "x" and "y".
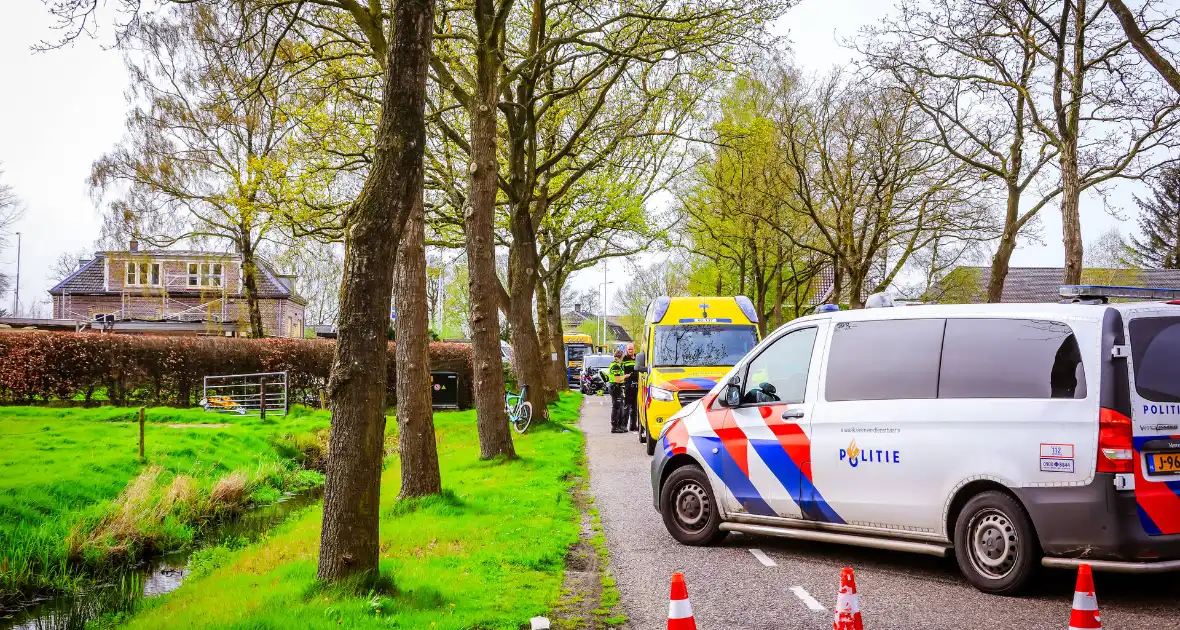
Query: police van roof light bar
{"x": 1097, "y": 292}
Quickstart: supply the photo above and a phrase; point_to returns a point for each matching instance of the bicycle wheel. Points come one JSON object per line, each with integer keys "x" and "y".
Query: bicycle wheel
{"x": 521, "y": 420}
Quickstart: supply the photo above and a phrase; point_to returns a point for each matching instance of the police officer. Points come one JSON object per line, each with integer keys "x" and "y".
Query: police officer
{"x": 631, "y": 386}
{"x": 618, "y": 411}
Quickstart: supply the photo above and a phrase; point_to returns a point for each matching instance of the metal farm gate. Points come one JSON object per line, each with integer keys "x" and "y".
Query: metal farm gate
{"x": 242, "y": 394}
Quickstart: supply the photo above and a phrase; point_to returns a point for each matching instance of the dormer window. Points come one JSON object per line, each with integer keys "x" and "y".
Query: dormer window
{"x": 142, "y": 274}
{"x": 204, "y": 274}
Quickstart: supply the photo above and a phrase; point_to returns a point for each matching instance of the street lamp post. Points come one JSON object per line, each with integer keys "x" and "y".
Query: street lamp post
{"x": 602, "y": 320}
{"x": 16, "y": 292}
{"x": 602, "y": 327}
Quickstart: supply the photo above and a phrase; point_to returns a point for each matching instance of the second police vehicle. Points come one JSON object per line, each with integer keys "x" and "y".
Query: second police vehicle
{"x": 1009, "y": 435}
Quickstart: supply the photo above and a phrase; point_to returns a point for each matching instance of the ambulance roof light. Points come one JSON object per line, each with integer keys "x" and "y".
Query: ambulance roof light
{"x": 827, "y": 308}
{"x": 747, "y": 307}
{"x": 1072, "y": 293}
{"x": 661, "y": 308}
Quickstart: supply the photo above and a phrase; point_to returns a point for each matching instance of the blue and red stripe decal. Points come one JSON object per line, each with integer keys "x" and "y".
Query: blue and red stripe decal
{"x": 1158, "y": 501}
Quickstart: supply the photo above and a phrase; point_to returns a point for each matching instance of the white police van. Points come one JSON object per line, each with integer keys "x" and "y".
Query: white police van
{"x": 1011, "y": 435}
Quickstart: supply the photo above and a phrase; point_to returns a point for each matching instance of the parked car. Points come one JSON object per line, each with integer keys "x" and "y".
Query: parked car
{"x": 1011, "y": 435}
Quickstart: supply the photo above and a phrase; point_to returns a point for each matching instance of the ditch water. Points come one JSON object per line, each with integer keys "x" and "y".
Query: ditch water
{"x": 123, "y": 591}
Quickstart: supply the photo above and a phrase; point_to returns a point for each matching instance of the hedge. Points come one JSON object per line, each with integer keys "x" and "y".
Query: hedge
{"x": 125, "y": 369}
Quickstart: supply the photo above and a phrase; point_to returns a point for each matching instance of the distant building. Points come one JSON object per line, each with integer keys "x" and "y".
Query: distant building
{"x": 968, "y": 285}
{"x": 173, "y": 292}
{"x": 574, "y": 319}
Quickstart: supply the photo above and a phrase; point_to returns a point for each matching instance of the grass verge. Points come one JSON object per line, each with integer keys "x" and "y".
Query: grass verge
{"x": 488, "y": 553}
{"x": 76, "y": 500}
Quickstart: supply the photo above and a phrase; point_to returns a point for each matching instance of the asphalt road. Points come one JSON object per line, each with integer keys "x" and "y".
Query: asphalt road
{"x": 793, "y": 585}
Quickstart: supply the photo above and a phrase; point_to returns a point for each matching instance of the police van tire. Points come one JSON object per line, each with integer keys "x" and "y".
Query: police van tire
{"x": 651, "y": 447}
{"x": 690, "y": 511}
{"x": 995, "y": 544}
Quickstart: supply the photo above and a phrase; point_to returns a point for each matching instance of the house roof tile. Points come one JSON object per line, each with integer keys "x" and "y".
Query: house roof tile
{"x": 1043, "y": 284}
{"x": 87, "y": 279}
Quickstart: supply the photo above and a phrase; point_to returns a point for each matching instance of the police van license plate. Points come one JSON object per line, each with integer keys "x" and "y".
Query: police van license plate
{"x": 1163, "y": 463}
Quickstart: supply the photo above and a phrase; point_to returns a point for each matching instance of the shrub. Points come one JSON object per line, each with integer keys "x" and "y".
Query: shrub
{"x": 45, "y": 366}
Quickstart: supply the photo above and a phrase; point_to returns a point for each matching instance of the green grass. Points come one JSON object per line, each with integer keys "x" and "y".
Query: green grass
{"x": 75, "y": 498}
{"x": 488, "y": 553}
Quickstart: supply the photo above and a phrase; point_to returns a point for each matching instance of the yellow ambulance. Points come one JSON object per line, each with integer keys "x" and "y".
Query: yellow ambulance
{"x": 688, "y": 344}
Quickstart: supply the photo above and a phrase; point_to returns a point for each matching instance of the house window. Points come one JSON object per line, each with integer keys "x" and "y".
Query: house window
{"x": 142, "y": 274}
{"x": 204, "y": 274}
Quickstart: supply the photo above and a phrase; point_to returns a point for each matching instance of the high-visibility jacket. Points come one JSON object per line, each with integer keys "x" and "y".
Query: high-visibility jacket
{"x": 631, "y": 376}
{"x": 616, "y": 371}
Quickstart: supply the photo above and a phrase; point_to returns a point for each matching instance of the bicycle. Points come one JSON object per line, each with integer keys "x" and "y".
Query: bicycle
{"x": 520, "y": 411}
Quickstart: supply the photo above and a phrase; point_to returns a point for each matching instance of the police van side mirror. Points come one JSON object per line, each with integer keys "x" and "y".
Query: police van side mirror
{"x": 732, "y": 396}
{"x": 641, "y": 362}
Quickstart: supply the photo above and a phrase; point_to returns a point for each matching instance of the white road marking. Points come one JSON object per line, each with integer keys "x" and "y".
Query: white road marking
{"x": 763, "y": 558}
{"x": 806, "y": 598}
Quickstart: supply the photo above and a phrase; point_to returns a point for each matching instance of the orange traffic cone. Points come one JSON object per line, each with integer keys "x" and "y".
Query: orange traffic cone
{"x": 1084, "y": 615}
{"x": 847, "y": 605}
{"x": 679, "y": 610}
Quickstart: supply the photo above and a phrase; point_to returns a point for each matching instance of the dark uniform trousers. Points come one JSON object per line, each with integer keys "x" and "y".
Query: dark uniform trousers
{"x": 618, "y": 409}
{"x": 632, "y": 396}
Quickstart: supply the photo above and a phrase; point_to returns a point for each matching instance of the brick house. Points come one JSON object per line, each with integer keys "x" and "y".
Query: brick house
{"x": 178, "y": 292}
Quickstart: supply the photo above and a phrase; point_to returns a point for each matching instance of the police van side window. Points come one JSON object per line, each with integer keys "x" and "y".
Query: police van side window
{"x": 884, "y": 360}
{"x": 1011, "y": 358}
{"x": 1155, "y": 352}
{"x": 778, "y": 375}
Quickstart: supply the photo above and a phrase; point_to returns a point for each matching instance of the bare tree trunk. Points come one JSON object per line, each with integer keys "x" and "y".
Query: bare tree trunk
{"x": 856, "y": 284}
{"x": 545, "y": 333}
{"x": 1071, "y": 222}
{"x": 995, "y": 284}
{"x": 1068, "y": 123}
{"x": 742, "y": 276}
{"x": 415, "y": 417}
{"x": 484, "y": 287}
{"x": 778, "y": 289}
{"x": 1007, "y": 244}
{"x": 250, "y": 288}
{"x": 556, "y": 335}
{"x": 522, "y": 285}
{"x": 837, "y": 280}
{"x": 760, "y": 291}
{"x": 349, "y": 540}
{"x": 526, "y": 347}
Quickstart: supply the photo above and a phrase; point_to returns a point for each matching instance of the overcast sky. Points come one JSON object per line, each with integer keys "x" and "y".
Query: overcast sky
{"x": 61, "y": 110}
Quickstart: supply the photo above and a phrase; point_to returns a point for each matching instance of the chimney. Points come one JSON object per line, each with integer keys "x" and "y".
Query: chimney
{"x": 134, "y": 247}
{"x": 578, "y": 307}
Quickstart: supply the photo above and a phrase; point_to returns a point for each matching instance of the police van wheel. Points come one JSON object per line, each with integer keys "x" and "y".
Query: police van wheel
{"x": 651, "y": 446}
{"x": 995, "y": 544}
{"x": 689, "y": 508}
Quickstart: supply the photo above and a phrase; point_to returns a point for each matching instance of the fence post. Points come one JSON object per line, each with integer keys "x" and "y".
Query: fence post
{"x": 262, "y": 396}
{"x": 142, "y": 413}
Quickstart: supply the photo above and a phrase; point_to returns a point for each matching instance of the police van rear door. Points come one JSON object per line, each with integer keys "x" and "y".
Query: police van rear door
{"x": 1154, "y": 335}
